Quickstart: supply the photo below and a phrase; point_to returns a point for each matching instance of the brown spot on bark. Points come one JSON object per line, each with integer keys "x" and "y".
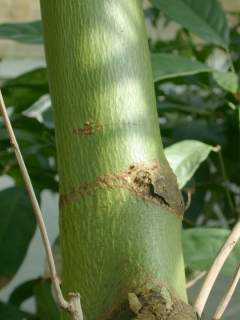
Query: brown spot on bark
{"x": 159, "y": 303}
{"x": 149, "y": 181}
{"x": 151, "y": 303}
{"x": 88, "y": 128}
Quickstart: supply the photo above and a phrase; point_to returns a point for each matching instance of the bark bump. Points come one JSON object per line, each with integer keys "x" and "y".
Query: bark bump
{"x": 159, "y": 304}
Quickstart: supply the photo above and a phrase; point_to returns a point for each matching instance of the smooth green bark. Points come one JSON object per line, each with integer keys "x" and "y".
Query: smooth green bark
{"x": 114, "y": 239}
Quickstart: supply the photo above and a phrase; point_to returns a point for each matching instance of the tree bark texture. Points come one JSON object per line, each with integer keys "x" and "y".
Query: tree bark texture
{"x": 120, "y": 208}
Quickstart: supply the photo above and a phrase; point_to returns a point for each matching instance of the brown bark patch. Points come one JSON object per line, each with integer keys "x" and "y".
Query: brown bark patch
{"x": 88, "y": 128}
{"x": 149, "y": 181}
{"x": 159, "y": 304}
{"x": 155, "y": 303}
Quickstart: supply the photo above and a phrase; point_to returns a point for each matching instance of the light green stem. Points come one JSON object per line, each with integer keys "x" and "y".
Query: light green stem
{"x": 120, "y": 210}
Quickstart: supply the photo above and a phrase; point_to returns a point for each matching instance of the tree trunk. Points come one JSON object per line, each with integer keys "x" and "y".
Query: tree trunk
{"x": 120, "y": 209}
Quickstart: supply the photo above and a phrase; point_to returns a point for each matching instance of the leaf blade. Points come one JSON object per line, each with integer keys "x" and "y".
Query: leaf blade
{"x": 205, "y": 18}
{"x": 24, "y": 90}
{"x": 25, "y": 32}
{"x": 16, "y": 219}
{"x": 167, "y": 66}
{"x": 201, "y": 245}
{"x": 46, "y": 306}
{"x": 11, "y": 312}
{"x": 23, "y": 292}
{"x": 185, "y": 157}
{"x": 227, "y": 80}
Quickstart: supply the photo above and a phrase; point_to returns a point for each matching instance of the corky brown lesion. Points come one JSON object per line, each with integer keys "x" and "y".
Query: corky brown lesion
{"x": 150, "y": 181}
{"x": 159, "y": 304}
{"x": 151, "y": 302}
{"x": 154, "y": 189}
{"x": 158, "y": 183}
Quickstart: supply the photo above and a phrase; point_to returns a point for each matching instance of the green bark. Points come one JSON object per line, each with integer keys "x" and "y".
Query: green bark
{"x": 120, "y": 210}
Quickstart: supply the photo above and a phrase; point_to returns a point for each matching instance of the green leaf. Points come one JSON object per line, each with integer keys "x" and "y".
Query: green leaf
{"x": 227, "y": 80}
{"x": 41, "y": 290}
{"x": 185, "y": 157}
{"x": 27, "y": 129}
{"x": 42, "y": 110}
{"x": 26, "y": 32}
{"x": 23, "y": 292}
{"x": 167, "y": 66}
{"x": 10, "y": 312}
{"x": 17, "y": 227}
{"x": 24, "y": 90}
{"x": 205, "y": 18}
{"x": 46, "y": 306}
{"x": 201, "y": 245}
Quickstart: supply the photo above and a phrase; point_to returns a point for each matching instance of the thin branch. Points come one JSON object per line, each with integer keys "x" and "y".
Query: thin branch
{"x": 227, "y": 297}
{"x": 216, "y": 268}
{"x": 189, "y": 193}
{"x": 75, "y": 306}
{"x": 68, "y": 306}
{"x": 198, "y": 276}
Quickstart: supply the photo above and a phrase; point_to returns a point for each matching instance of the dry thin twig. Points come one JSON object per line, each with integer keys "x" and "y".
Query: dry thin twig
{"x": 216, "y": 268}
{"x": 198, "y": 276}
{"x": 227, "y": 297}
{"x": 189, "y": 198}
{"x": 73, "y": 306}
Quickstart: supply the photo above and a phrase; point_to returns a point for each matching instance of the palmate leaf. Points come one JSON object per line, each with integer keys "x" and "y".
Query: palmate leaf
{"x": 185, "y": 157}
{"x": 17, "y": 227}
{"x": 205, "y": 18}
{"x": 25, "y": 32}
{"x": 166, "y": 66}
{"x": 201, "y": 245}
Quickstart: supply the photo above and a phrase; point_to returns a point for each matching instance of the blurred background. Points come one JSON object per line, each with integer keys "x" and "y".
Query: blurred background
{"x": 17, "y": 58}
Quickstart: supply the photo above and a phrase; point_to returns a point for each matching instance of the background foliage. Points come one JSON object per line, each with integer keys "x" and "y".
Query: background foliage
{"x": 196, "y": 75}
